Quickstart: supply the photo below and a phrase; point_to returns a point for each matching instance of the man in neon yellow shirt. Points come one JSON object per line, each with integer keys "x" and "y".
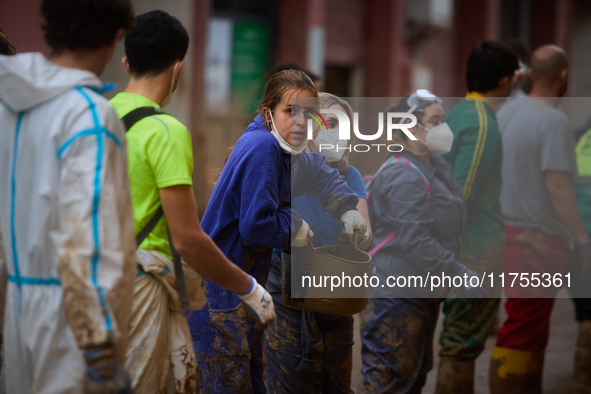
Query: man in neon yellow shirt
{"x": 160, "y": 161}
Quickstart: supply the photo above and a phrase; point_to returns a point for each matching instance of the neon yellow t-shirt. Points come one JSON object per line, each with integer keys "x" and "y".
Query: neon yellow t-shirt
{"x": 159, "y": 155}
{"x": 584, "y": 155}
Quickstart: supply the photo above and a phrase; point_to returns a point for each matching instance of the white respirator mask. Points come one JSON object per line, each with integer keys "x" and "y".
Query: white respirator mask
{"x": 439, "y": 138}
{"x": 330, "y": 145}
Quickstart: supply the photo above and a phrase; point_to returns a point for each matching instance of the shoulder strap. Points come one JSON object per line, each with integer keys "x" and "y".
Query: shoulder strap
{"x": 129, "y": 120}
{"x": 138, "y": 114}
{"x": 142, "y": 235}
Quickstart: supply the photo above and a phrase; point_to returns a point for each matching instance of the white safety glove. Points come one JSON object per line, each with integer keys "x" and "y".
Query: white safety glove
{"x": 355, "y": 224}
{"x": 259, "y": 304}
{"x": 303, "y": 236}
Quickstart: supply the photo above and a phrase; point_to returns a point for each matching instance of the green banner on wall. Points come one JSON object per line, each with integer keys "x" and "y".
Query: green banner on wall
{"x": 249, "y": 63}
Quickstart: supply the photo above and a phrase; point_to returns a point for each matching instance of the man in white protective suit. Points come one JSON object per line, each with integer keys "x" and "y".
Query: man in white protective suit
{"x": 65, "y": 211}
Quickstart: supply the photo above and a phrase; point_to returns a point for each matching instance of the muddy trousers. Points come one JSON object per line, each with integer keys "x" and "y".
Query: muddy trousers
{"x": 466, "y": 326}
{"x": 518, "y": 357}
{"x": 308, "y": 352}
{"x": 397, "y": 344}
{"x": 528, "y": 308}
{"x": 228, "y": 348}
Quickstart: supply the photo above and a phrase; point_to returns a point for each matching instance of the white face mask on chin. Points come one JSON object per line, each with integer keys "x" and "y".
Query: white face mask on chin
{"x": 439, "y": 138}
{"x": 287, "y": 148}
{"x": 331, "y": 137}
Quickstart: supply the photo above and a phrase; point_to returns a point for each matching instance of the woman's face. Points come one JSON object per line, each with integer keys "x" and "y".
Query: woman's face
{"x": 331, "y": 121}
{"x": 434, "y": 116}
{"x": 289, "y": 119}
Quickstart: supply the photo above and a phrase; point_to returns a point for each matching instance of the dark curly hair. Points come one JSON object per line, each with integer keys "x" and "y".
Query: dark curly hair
{"x": 155, "y": 42}
{"x": 84, "y": 24}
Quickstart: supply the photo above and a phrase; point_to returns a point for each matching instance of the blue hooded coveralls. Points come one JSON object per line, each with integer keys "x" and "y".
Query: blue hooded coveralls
{"x": 248, "y": 215}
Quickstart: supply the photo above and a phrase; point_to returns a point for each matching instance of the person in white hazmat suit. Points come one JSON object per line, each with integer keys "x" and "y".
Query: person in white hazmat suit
{"x": 65, "y": 210}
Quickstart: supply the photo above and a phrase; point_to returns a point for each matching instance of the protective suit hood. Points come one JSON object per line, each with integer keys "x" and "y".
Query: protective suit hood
{"x": 29, "y": 79}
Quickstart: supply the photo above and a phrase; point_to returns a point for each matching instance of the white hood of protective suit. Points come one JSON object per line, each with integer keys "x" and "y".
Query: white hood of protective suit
{"x": 29, "y": 79}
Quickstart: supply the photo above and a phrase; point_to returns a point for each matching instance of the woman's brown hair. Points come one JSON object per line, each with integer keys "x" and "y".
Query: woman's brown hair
{"x": 6, "y": 48}
{"x": 275, "y": 89}
{"x": 282, "y": 82}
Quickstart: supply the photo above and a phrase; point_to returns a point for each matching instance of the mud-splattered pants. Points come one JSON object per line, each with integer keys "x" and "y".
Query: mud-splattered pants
{"x": 308, "y": 352}
{"x": 397, "y": 344}
{"x": 528, "y": 319}
{"x": 466, "y": 326}
{"x": 228, "y": 348}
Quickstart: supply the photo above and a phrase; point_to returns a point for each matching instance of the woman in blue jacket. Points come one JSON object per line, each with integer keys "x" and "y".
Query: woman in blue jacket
{"x": 249, "y": 214}
{"x": 417, "y": 216}
{"x": 311, "y": 352}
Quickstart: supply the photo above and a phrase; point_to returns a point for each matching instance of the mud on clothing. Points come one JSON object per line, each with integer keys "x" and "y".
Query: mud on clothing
{"x": 249, "y": 215}
{"x": 159, "y": 156}
{"x": 476, "y": 156}
{"x": 310, "y": 352}
{"x": 65, "y": 213}
{"x": 528, "y": 321}
{"x": 428, "y": 228}
{"x": 397, "y": 351}
{"x": 397, "y": 333}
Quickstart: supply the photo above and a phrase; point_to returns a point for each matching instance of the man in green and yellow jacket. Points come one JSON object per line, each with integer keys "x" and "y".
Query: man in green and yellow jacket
{"x": 476, "y": 157}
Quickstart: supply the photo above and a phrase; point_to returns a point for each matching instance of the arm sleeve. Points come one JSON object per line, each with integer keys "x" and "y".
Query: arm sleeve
{"x": 170, "y": 153}
{"x": 403, "y": 196}
{"x": 312, "y": 176}
{"x": 557, "y": 147}
{"x": 264, "y": 222}
{"x": 355, "y": 182}
{"x": 96, "y": 245}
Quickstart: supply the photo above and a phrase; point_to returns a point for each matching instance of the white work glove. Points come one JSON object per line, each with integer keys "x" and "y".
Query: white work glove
{"x": 355, "y": 224}
{"x": 303, "y": 236}
{"x": 259, "y": 304}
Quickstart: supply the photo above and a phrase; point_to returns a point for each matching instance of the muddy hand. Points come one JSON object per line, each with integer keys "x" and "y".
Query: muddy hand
{"x": 354, "y": 223}
{"x": 304, "y": 236}
{"x": 259, "y": 304}
{"x": 105, "y": 374}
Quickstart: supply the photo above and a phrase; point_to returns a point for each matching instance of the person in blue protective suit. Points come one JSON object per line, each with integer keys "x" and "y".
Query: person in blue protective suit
{"x": 249, "y": 214}
{"x": 311, "y": 352}
{"x": 418, "y": 216}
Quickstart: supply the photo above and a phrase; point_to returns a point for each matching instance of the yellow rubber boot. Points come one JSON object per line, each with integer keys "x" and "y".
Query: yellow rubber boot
{"x": 515, "y": 371}
{"x": 455, "y": 377}
{"x": 582, "y": 377}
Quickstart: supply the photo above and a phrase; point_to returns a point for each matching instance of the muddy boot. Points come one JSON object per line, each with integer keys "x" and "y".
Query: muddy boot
{"x": 514, "y": 371}
{"x": 582, "y": 377}
{"x": 455, "y": 377}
